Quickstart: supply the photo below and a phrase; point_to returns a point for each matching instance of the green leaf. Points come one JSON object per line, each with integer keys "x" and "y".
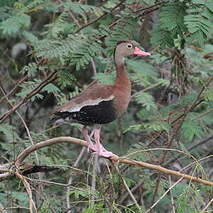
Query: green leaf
{"x": 171, "y": 16}
{"x": 75, "y": 50}
{"x": 82, "y": 9}
{"x": 65, "y": 79}
{"x": 142, "y": 67}
{"x": 122, "y": 31}
{"x": 146, "y": 100}
{"x": 208, "y": 94}
{"x": 105, "y": 78}
{"x": 7, "y": 130}
{"x": 191, "y": 129}
{"x": 80, "y": 192}
{"x": 199, "y": 23}
{"x": 158, "y": 126}
{"x": 27, "y": 87}
{"x": 14, "y": 24}
{"x": 51, "y": 88}
{"x": 171, "y": 25}
{"x": 29, "y": 36}
{"x": 30, "y": 69}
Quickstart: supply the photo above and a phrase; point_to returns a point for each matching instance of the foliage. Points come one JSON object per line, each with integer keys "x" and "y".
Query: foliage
{"x": 169, "y": 119}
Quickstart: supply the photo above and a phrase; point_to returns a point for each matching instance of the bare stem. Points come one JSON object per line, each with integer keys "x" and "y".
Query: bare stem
{"x": 26, "y": 152}
{"x": 71, "y": 179}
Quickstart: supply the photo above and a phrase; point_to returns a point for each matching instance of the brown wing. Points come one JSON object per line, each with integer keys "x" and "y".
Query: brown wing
{"x": 93, "y": 95}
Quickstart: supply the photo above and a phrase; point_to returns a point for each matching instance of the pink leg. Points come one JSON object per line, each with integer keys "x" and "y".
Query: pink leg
{"x": 96, "y": 146}
{"x": 88, "y": 137}
{"x": 100, "y": 150}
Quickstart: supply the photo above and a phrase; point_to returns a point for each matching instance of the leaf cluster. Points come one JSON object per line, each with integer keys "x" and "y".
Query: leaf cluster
{"x": 169, "y": 116}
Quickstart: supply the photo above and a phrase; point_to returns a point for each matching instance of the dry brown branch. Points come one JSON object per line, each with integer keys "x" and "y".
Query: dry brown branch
{"x": 176, "y": 126}
{"x": 100, "y": 17}
{"x": 29, "y": 191}
{"x": 25, "y": 153}
{"x": 193, "y": 146}
{"x": 164, "y": 194}
{"x": 207, "y": 206}
{"x": 151, "y": 7}
{"x": 71, "y": 179}
{"x": 171, "y": 195}
{"x": 12, "y": 91}
{"x": 46, "y": 81}
{"x": 125, "y": 196}
{"x": 128, "y": 189}
{"x": 22, "y": 120}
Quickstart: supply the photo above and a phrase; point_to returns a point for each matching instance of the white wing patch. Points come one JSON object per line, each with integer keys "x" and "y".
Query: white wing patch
{"x": 78, "y": 107}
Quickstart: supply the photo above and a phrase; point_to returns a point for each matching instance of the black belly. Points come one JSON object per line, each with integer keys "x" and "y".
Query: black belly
{"x": 102, "y": 113}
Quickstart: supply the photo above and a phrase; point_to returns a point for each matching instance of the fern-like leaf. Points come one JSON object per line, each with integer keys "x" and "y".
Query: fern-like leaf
{"x": 145, "y": 100}
{"x": 14, "y": 24}
{"x": 76, "y": 49}
{"x": 199, "y": 23}
{"x": 171, "y": 25}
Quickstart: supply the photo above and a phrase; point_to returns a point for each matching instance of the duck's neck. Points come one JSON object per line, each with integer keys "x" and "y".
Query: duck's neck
{"x": 122, "y": 89}
{"x": 122, "y": 79}
{"x": 121, "y": 75}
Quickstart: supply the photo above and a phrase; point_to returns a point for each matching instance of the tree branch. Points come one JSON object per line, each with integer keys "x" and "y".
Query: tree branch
{"x": 17, "y": 84}
{"x": 50, "y": 78}
{"x": 100, "y": 17}
{"x": 193, "y": 146}
{"x": 25, "y": 153}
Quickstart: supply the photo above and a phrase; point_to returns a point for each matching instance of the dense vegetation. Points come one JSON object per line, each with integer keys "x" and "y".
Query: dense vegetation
{"x": 50, "y": 50}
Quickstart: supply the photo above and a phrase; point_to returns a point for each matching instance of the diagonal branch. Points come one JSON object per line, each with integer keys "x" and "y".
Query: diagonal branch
{"x": 100, "y": 17}
{"x": 193, "y": 146}
{"x": 25, "y": 153}
{"x": 46, "y": 81}
{"x": 32, "y": 206}
{"x": 12, "y": 91}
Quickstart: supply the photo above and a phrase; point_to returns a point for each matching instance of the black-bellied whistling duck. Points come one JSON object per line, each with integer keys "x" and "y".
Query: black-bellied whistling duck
{"x": 100, "y": 104}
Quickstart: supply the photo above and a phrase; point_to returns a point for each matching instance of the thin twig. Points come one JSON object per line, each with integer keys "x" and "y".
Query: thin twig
{"x": 46, "y": 81}
{"x": 148, "y": 11}
{"x": 2, "y": 209}
{"x": 16, "y": 207}
{"x": 47, "y": 182}
{"x": 168, "y": 190}
{"x": 17, "y": 84}
{"x": 160, "y": 149}
{"x": 128, "y": 189}
{"x": 29, "y": 192}
{"x": 93, "y": 67}
{"x": 182, "y": 119}
{"x": 156, "y": 187}
{"x": 150, "y": 7}
{"x": 193, "y": 146}
{"x": 94, "y": 175}
{"x": 71, "y": 178}
{"x": 22, "y": 120}
{"x": 100, "y": 17}
{"x": 72, "y": 16}
{"x": 172, "y": 198}
{"x": 125, "y": 196}
{"x": 207, "y": 206}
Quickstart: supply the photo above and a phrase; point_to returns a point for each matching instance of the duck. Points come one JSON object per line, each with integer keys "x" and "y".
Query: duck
{"x": 100, "y": 104}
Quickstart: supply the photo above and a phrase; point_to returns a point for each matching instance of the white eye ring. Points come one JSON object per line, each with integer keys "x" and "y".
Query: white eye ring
{"x": 129, "y": 46}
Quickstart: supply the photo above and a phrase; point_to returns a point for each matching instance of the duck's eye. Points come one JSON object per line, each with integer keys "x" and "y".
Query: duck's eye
{"x": 129, "y": 46}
